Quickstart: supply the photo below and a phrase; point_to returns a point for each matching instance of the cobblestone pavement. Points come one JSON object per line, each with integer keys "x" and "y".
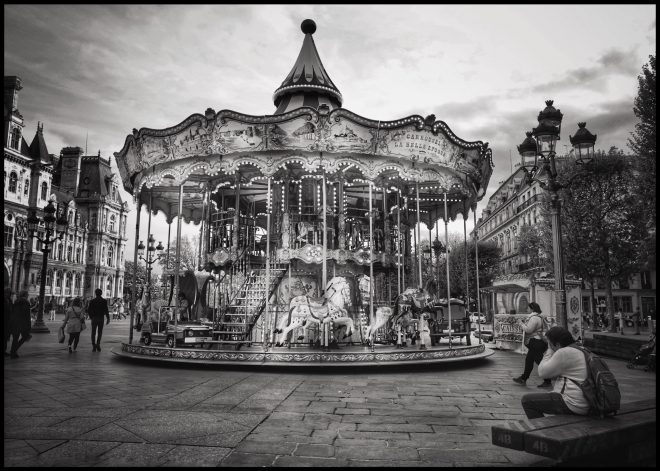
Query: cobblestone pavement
{"x": 94, "y": 409}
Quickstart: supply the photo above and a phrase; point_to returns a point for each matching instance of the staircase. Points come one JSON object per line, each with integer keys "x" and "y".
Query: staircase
{"x": 247, "y": 305}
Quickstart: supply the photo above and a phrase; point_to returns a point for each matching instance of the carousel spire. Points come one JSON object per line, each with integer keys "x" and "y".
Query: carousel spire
{"x": 308, "y": 84}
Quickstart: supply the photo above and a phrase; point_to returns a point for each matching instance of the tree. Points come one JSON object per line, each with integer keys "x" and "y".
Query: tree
{"x": 642, "y": 143}
{"x": 128, "y": 278}
{"x": 535, "y": 244}
{"x": 189, "y": 255}
{"x": 601, "y": 224}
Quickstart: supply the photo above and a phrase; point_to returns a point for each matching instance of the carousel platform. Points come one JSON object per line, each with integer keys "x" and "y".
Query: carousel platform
{"x": 383, "y": 355}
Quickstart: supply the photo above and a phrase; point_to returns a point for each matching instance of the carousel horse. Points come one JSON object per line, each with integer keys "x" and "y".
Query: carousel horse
{"x": 406, "y": 306}
{"x": 329, "y": 308}
{"x": 356, "y": 234}
{"x": 305, "y": 227}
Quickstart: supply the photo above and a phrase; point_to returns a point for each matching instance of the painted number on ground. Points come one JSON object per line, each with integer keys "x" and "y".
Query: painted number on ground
{"x": 540, "y": 446}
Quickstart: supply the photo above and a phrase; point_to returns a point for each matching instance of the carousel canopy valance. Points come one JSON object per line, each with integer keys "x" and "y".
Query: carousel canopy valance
{"x": 410, "y": 156}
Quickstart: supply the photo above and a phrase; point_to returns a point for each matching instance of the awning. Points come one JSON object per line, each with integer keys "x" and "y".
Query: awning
{"x": 506, "y": 288}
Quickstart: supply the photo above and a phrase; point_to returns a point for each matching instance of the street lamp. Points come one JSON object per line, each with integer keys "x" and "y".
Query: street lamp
{"x": 55, "y": 229}
{"x": 537, "y": 158}
{"x": 150, "y": 260}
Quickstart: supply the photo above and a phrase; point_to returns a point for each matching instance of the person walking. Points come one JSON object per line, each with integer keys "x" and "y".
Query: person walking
{"x": 98, "y": 307}
{"x": 73, "y": 320}
{"x": 535, "y": 343}
{"x": 20, "y": 323}
{"x": 9, "y": 304}
{"x": 51, "y": 311}
{"x": 121, "y": 309}
{"x": 637, "y": 317}
{"x": 568, "y": 367}
{"x": 618, "y": 315}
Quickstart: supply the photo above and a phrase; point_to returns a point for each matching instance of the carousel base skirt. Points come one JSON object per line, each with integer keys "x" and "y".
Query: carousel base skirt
{"x": 383, "y": 355}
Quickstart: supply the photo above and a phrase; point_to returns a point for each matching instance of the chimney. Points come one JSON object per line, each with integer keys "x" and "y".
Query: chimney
{"x": 70, "y": 158}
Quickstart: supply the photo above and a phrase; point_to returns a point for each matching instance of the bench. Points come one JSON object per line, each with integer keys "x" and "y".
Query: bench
{"x": 628, "y": 438}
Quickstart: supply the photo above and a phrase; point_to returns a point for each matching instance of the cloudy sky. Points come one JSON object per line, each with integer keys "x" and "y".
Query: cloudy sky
{"x": 100, "y": 71}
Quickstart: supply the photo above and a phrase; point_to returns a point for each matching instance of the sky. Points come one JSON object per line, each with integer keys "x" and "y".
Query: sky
{"x": 92, "y": 73}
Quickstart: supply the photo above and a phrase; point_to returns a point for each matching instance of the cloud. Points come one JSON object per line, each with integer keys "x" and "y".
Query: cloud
{"x": 612, "y": 62}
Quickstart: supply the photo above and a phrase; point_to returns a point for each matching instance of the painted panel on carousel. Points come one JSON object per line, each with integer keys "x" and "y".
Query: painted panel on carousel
{"x": 298, "y": 133}
{"x": 349, "y": 136}
{"x": 418, "y": 145}
{"x": 233, "y": 136}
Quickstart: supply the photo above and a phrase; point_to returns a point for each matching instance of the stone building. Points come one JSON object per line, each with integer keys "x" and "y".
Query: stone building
{"x": 91, "y": 253}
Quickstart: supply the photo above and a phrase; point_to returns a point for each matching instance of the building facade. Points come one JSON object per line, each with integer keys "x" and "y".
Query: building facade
{"x": 516, "y": 203}
{"x": 90, "y": 254}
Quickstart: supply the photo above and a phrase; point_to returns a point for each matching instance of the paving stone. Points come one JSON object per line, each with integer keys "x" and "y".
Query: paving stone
{"x": 315, "y": 450}
{"x": 247, "y": 459}
{"x": 395, "y": 428}
{"x": 306, "y": 461}
{"x": 361, "y": 442}
{"x": 352, "y": 411}
{"x": 376, "y": 453}
{"x": 274, "y": 448}
{"x": 83, "y": 453}
{"x": 479, "y": 455}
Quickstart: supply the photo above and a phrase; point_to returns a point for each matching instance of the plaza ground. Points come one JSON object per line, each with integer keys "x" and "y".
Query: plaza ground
{"x": 94, "y": 409}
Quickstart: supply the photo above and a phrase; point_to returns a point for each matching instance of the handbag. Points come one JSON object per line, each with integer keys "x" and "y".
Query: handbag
{"x": 83, "y": 326}
{"x": 60, "y": 334}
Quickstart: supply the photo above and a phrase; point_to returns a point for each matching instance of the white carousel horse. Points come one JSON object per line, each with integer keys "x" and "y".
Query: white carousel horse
{"x": 330, "y": 308}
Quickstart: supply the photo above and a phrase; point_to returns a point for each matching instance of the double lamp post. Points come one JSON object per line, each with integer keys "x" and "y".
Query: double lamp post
{"x": 538, "y": 159}
{"x": 54, "y": 228}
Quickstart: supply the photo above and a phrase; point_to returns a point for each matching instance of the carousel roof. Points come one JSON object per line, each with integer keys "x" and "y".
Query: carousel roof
{"x": 308, "y": 80}
{"x": 306, "y": 140}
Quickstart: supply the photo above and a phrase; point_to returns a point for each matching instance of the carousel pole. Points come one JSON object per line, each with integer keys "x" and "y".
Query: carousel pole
{"x": 167, "y": 255}
{"x": 385, "y": 243}
{"x": 151, "y": 205}
{"x": 405, "y": 244}
{"x": 419, "y": 238}
{"x": 467, "y": 279}
{"x": 135, "y": 261}
{"x": 398, "y": 242}
{"x": 202, "y": 226}
{"x": 476, "y": 257}
{"x": 437, "y": 236}
{"x": 268, "y": 211}
{"x": 371, "y": 267}
{"x": 324, "y": 266}
{"x": 447, "y": 252}
{"x": 178, "y": 259}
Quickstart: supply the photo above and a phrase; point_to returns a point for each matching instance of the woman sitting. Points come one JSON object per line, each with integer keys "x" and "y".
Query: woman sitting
{"x": 562, "y": 363}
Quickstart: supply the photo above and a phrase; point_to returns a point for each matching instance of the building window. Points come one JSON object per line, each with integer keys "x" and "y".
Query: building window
{"x": 68, "y": 280}
{"x": 49, "y": 278}
{"x": 12, "y": 182}
{"x": 76, "y": 281}
{"x": 623, "y": 302}
{"x": 93, "y": 222}
{"x": 9, "y": 236}
{"x": 111, "y": 227}
{"x": 103, "y": 254}
{"x": 78, "y": 254}
{"x": 108, "y": 289}
{"x": 69, "y": 254}
{"x": 91, "y": 252}
{"x": 111, "y": 253}
{"x": 58, "y": 280}
{"x": 15, "y": 138}
{"x": 26, "y": 188}
{"x": 60, "y": 251}
{"x": 44, "y": 191}
{"x": 645, "y": 278}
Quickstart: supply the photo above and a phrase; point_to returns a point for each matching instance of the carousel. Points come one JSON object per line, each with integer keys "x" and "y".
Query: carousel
{"x": 310, "y": 229}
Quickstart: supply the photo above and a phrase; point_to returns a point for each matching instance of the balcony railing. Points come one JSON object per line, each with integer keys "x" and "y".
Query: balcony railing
{"x": 525, "y": 204}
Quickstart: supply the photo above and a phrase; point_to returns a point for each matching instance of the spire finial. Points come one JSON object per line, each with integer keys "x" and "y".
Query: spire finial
{"x": 308, "y": 26}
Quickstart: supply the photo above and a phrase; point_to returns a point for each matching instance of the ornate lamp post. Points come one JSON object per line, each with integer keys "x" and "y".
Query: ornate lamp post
{"x": 538, "y": 158}
{"x": 438, "y": 249}
{"x": 55, "y": 229}
{"x": 150, "y": 260}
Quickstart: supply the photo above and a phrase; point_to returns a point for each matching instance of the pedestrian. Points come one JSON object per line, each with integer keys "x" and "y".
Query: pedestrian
{"x": 73, "y": 319}
{"x": 618, "y": 315}
{"x": 121, "y": 309}
{"x": 51, "y": 311}
{"x": 637, "y": 317}
{"x": 535, "y": 343}
{"x": 9, "y": 304}
{"x": 20, "y": 323}
{"x": 568, "y": 367}
{"x": 98, "y": 307}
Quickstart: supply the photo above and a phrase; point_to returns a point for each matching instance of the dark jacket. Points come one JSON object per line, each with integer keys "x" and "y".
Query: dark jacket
{"x": 98, "y": 307}
{"x": 20, "y": 316}
{"x": 9, "y": 305}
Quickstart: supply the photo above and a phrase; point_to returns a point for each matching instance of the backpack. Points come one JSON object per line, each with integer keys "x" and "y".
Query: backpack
{"x": 600, "y": 389}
